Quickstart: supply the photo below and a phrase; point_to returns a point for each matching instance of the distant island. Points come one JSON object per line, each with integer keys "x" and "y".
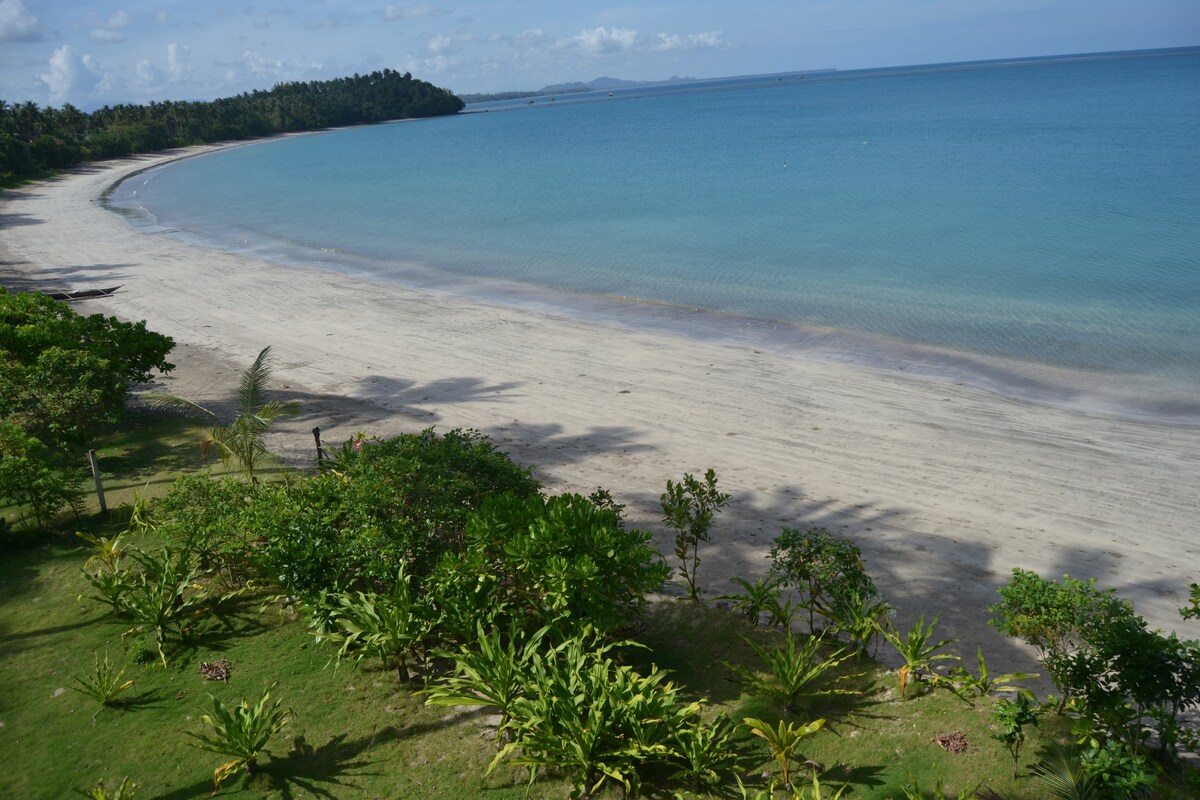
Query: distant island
{"x": 605, "y": 83}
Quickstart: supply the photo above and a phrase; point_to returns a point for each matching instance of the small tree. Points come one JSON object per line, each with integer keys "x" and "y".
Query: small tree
{"x": 827, "y": 571}
{"x": 1013, "y": 716}
{"x": 241, "y": 441}
{"x": 688, "y": 507}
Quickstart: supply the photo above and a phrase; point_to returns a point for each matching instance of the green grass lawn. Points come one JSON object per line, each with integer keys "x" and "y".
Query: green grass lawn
{"x": 359, "y": 732}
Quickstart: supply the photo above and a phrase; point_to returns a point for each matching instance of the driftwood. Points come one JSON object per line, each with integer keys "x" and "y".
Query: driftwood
{"x": 83, "y": 294}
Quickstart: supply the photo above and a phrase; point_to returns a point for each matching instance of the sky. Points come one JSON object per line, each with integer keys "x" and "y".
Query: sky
{"x": 92, "y": 53}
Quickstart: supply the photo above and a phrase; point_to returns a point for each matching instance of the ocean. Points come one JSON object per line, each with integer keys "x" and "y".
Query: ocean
{"x": 1031, "y": 226}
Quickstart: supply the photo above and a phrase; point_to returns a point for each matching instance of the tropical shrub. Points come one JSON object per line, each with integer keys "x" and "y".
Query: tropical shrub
{"x": 1012, "y": 717}
{"x": 62, "y": 376}
{"x": 688, "y": 507}
{"x": 861, "y": 616}
{"x": 795, "y": 671}
{"x": 917, "y": 650}
{"x": 125, "y": 791}
{"x": 242, "y": 731}
{"x": 783, "y": 741}
{"x": 104, "y": 683}
{"x": 402, "y": 501}
{"x": 967, "y": 685}
{"x": 827, "y": 571}
{"x": 597, "y": 721}
{"x": 161, "y": 595}
{"x": 394, "y": 627}
{"x": 1116, "y": 674}
{"x": 563, "y": 560}
{"x": 757, "y": 598}
{"x": 704, "y": 751}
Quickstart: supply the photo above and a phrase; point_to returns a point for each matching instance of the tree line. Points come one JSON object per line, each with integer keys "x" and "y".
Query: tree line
{"x": 35, "y": 141}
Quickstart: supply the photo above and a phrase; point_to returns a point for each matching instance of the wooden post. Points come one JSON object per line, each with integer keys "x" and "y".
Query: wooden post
{"x": 99, "y": 484}
{"x": 316, "y": 432}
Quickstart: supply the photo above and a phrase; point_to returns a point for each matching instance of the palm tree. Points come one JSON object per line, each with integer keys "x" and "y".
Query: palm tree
{"x": 241, "y": 441}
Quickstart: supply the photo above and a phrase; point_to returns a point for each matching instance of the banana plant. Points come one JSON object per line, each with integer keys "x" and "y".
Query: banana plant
{"x": 242, "y": 731}
{"x": 783, "y": 741}
{"x": 916, "y": 650}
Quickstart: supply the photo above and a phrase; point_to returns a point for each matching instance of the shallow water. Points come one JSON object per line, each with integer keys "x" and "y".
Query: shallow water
{"x": 1029, "y": 226}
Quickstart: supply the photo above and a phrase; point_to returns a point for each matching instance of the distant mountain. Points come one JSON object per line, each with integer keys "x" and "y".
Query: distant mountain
{"x": 605, "y": 83}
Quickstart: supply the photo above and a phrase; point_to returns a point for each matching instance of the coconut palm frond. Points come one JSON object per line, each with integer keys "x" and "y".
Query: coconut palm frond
{"x": 1062, "y": 776}
{"x": 169, "y": 402}
{"x": 252, "y": 395}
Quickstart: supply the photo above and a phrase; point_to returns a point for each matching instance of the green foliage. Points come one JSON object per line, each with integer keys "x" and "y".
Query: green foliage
{"x": 1119, "y": 772}
{"x": 104, "y": 683}
{"x": 758, "y": 598}
{"x": 968, "y": 685}
{"x": 242, "y": 731}
{"x": 401, "y": 501}
{"x": 861, "y": 616}
{"x": 688, "y": 507}
{"x": 795, "y": 671}
{"x": 826, "y": 570}
{"x": 596, "y": 720}
{"x": 242, "y": 440}
{"x": 392, "y": 626}
{"x": 1012, "y": 717}
{"x": 563, "y": 561}
{"x": 1128, "y": 680}
{"x": 1061, "y": 775}
{"x": 783, "y": 742}
{"x": 125, "y": 791}
{"x": 917, "y": 651}
{"x": 62, "y": 376}
{"x": 704, "y": 751}
{"x": 490, "y": 673}
{"x": 1055, "y": 618}
{"x": 160, "y": 596}
{"x": 35, "y": 141}
{"x": 1191, "y": 610}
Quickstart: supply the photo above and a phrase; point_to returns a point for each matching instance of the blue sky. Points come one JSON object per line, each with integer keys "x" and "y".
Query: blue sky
{"x": 92, "y": 53}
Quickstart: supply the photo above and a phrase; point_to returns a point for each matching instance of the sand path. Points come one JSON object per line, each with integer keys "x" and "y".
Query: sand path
{"x": 945, "y": 487}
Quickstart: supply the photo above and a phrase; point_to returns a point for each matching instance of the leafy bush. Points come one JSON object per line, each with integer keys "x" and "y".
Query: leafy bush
{"x": 597, "y": 721}
{"x": 826, "y": 570}
{"x": 563, "y": 560}
{"x": 402, "y": 501}
{"x": 917, "y": 650}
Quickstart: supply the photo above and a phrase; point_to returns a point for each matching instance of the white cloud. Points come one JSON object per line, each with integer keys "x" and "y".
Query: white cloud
{"x": 17, "y": 24}
{"x": 598, "y": 41}
{"x": 72, "y": 76}
{"x": 327, "y": 24}
{"x": 412, "y": 11}
{"x": 693, "y": 41}
{"x": 603, "y": 40}
{"x": 178, "y": 60}
{"x": 111, "y": 31}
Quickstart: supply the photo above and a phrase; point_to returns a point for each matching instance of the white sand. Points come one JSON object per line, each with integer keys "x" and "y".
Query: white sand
{"x": 945, "y": 487}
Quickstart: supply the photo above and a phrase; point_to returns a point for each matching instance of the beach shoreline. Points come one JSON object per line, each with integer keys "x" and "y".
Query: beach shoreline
{"x": 946, "y": 487}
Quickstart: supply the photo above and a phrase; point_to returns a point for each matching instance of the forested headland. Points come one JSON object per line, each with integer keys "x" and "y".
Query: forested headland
{"x": 36, "y": 141}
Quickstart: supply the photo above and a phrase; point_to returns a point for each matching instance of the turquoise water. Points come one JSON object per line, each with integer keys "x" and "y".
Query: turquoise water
{"x": 1013, "y": 216}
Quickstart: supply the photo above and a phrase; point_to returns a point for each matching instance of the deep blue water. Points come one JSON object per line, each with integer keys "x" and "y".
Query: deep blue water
{"x": 1044, "y": 213}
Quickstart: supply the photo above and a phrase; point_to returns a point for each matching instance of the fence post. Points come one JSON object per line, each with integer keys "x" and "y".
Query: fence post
{"x": 99, "y": 484}
{"x": 316, "y": 432}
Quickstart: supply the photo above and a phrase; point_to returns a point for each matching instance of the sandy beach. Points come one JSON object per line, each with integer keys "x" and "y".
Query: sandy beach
{"x": 945, "y": 487}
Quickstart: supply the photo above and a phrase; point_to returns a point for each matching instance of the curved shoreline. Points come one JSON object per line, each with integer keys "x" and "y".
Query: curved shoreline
{"x": 946, "y": 487}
